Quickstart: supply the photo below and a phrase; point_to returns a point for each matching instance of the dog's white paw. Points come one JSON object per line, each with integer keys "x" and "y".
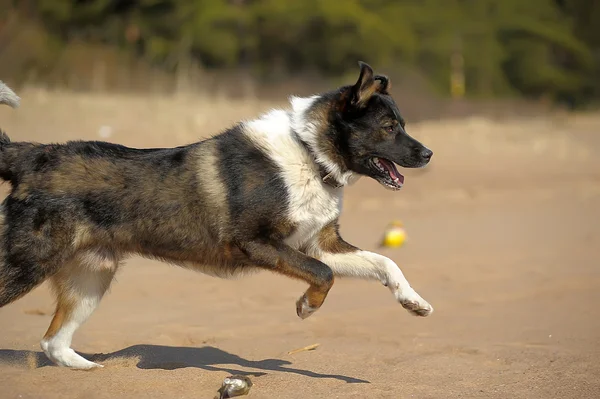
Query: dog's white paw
{"x": 303, "y": 309}
{"x": 413, "y": 302}
{"x": 67, "y": 357}
{"x": 417, "y": 308}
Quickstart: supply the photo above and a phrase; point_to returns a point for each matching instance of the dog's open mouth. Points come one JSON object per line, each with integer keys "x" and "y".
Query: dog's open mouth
{"x": 388, "y": 174}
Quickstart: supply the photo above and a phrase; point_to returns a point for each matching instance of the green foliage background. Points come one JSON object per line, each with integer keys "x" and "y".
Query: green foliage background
{"x": 532, "y": 48}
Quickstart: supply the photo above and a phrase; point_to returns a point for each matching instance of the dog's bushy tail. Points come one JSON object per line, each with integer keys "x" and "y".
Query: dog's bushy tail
{"x": 8, "y": 97}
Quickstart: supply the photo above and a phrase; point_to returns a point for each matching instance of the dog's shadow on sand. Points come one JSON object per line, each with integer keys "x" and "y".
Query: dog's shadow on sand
{"x": 174, "y": 357}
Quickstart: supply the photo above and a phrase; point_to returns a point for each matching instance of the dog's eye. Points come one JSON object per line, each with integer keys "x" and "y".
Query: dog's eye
{"x": 390, "y": 129}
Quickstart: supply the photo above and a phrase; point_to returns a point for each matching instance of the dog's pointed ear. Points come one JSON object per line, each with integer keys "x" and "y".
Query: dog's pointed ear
{"x": 365, "y": 87}
{"x": 384, "y": 84}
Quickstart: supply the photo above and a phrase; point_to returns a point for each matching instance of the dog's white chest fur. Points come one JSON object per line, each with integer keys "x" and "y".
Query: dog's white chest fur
{"x": 312, "y": 204}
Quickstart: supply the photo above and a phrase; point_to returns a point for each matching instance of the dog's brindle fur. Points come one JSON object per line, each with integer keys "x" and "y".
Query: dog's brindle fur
{"x": 251, "y": 197}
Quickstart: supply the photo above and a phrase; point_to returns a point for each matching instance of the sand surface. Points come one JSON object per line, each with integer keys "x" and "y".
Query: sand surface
{"x": 504, "y": 242}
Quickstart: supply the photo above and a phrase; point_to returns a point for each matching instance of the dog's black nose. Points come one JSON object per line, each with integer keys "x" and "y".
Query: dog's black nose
{"x": 427, "y": 153}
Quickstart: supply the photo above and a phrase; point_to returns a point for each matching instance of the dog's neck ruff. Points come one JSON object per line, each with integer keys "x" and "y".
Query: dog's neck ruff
{"x": 306, "y": 128}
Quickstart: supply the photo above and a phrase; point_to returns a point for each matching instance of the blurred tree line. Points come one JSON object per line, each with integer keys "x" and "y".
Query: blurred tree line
{"x": 535, "y": 48}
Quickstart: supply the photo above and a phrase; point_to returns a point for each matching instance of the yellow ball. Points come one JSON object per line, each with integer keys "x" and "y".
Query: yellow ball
{"x": 394, "y": 237}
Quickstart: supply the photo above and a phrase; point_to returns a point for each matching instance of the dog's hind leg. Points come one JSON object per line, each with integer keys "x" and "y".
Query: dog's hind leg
{"x": 79, "y": 286}
{"x": 19, "y": 278}
{"x": 19, "y": 274}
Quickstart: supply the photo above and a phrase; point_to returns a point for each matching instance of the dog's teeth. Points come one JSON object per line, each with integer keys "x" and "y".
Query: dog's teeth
{"x": 379, "y": 164}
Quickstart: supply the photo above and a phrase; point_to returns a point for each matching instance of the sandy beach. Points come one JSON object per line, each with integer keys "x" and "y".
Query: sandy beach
{"x": 504, "y": 242}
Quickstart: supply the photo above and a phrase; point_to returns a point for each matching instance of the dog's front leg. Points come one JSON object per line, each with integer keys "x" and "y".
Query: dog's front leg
{"x": 348, "y": 261}
{"x": 283, "y": 259}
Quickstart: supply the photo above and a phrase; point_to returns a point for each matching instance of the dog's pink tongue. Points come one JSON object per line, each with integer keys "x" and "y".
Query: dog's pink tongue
{"x": 391, "y": 169}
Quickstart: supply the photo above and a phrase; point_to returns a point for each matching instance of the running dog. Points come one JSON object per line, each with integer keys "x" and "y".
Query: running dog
{"x": 264, "y": 194}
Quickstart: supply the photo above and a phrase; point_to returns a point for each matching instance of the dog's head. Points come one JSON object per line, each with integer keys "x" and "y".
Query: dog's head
{"x": 372, "y": 131}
